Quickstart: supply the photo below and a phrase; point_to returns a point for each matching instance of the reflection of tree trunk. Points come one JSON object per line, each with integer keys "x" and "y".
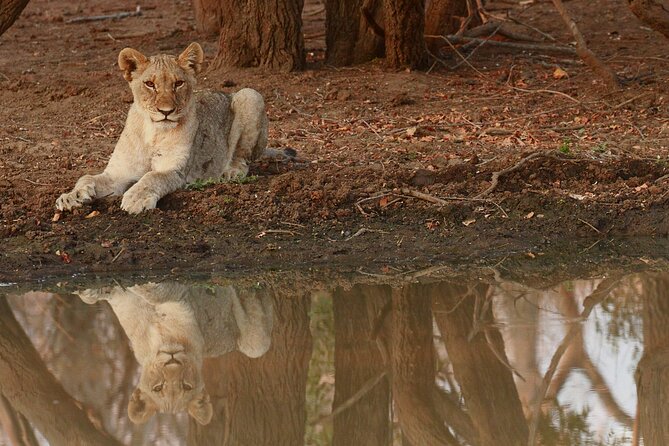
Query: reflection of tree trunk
{"x": 652, "y": 373}
{"x": 31, "y": 389}
{"x": 261, "y": 401}
{"x": 357, "y": 360}
{"x": 9, "y": 12}
{"x": 487, "y": 385}
{"x": 413, "y": 368}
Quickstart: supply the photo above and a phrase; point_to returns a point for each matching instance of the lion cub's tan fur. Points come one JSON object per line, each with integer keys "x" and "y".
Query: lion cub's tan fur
{"x": 174, "y": 135}
{"x": 172, "y": 327}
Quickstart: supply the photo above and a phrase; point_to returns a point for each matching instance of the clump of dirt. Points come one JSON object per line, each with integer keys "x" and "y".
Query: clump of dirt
{"x": 409, "y": 157}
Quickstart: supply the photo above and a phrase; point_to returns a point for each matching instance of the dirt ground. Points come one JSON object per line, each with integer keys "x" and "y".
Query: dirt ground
{"x": 374, "y": 145}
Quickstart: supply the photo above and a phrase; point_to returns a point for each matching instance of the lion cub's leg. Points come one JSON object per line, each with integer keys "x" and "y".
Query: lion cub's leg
{"x": 87, "y": 189}
{"x": 248, "y": 132}
{"x": 255, "y": 318}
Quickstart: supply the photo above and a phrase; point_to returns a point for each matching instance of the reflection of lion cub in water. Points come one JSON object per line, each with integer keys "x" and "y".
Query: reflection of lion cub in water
{"x": 172, "y": 327}
{"x": 173, "y": 135}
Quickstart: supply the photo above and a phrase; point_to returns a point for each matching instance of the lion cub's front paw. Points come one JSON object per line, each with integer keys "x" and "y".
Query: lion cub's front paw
{"x": 79, "y": 195}
{"x": 138, "y": 200}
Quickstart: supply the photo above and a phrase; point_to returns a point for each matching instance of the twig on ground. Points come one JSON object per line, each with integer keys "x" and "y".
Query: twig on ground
{"x": 624, "y": 103}
{"x": 544, "y": 90}
{"x": 444, "y": 201}
{"x": 454, "y": 40}
{"x": 589, "y": 225}
{"x": 363, "y": 231}
{"x": 120, "y": 15}
{"x": 518, "y": 165}
{"x": 261, "y": 234}
{"x": 118, "y": 255}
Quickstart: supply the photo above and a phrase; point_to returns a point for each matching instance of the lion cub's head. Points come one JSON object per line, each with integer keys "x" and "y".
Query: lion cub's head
{"x": 170, "y": 383}
{"x": 162, "y": 85}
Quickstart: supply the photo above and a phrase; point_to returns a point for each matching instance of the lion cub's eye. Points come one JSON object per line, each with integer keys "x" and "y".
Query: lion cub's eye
{"x": 187, "y": 387}
{"x": 157, "y": 388}
{"x": 178, "y": 84}
{"x": 150, "y": 84}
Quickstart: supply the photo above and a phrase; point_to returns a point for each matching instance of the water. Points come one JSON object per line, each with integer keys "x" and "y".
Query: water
{"x": 421, "y": 358}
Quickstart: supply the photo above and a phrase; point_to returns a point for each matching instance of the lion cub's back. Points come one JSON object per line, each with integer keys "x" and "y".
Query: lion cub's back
{"x": 211, "y": 138}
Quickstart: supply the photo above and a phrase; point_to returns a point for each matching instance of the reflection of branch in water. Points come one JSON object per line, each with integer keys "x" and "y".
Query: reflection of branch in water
{"x": 576, "y": 356}
{"x": 487, "y": 385}
{"x": 601, "y": 292}
{"x": 32, "y": 390}
{"x": 15, "y": 425}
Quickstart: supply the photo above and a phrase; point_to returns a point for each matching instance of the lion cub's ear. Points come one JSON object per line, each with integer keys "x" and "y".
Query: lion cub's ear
{"x": 200, "y": 408}
{"x": 129, "y": 60}
{"x": 140, "y": 407}
{"x": 192, "y": 57}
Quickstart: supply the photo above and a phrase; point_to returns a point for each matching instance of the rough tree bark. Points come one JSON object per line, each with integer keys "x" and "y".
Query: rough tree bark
{"x": 9, "y": 12}
{"x": 486, "y": 383}
{"x": 208, "y": 16}
{"x": 654, "y": 13}
{"x": 261, "y": 402}
{"x": 33, "y": 391}
{"x": 263, "y": 34}
{"x": 652, "y": 374}
{"x": 404, "y": 29}
{"x": 357, "y": 361}
{"x": 351, "y": 32}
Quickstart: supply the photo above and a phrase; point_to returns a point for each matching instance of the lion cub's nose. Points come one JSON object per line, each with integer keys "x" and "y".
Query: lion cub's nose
{"x": 166, "y": 112}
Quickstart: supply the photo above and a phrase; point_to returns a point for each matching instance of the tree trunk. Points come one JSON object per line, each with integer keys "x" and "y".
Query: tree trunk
{"x": 486, "y": 383}
{"x": 653, "y": 13}
{"x": 263, "y": 34}
{"x": 261, "y": 401}
{"x": 9, "y": 12}
{"x": 443, "y": 17}
{"x": 413, "y": 368}
{"x": 404, "y": 29}
{"x": 32, "y": 390}
{"x": 207, "y": 16}
{"x": 652, "y": 374}
{"x": 357, "y": 361}
{"x": 354, "y": 32}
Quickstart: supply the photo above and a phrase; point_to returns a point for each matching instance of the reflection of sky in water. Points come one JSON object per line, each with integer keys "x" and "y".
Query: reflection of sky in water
{"x": 615, "y": 357}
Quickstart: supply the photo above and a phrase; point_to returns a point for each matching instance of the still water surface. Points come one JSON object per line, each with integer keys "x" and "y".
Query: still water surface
{"x": 267, "y": 361}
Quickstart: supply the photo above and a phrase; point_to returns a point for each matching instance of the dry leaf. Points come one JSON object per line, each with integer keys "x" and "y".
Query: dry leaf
{"x": 530, "y": 255}
{"x": 559, "y": 73}
{"x": 412, "y": 130}
{"x": 530, "y": 215}
{"x": 577, "y": 197}
{"x": 93, "y": 214}
{"x": 383, "y": 202}
{"x": 469, "y": 222}
{"x": 55, "y": 217}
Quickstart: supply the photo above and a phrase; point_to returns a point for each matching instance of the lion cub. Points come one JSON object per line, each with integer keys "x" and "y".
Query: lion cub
{"x": 174, "y": 135}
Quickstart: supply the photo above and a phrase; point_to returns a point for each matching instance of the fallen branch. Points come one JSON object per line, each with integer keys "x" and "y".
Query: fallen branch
{"x": 119, "y": 15}
{"x": 499, "y": 173}
{"x": 590, "y": 59}
{"x": 456, "y": 40}
{"x": 444, "y": 201}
